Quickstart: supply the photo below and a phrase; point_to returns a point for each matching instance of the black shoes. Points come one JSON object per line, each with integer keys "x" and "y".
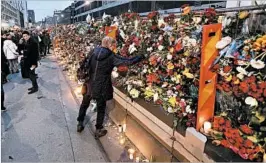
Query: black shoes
{"x": 3, "y": 108}
{"x": 30, "y": 89}
{"x": 100, "y": 132}
{"x": 80, "y": 127}
{"x": 33, "y": 90}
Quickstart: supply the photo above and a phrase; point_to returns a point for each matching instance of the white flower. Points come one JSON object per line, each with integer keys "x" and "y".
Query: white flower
{"x": 170, "y": 110}
{"x": 169, "y": 57}
{"x": 241, "y": 70}
{"x": 134, "y": 93}
{"x": 241, "y": 63}
{"x": 155, "y": 97}
{"x": 115, "y": 74}
{"x": 257, "y": 64}
{"x": 129, "y": 87}
{"x": 125, "y": 27}
{"x": 169, "y": 93}
{"x": 149, "y": 49}
{"x": 223, "y": 42}
{"x": 115, "y": 69}
{"x": 188, "y": 109}
{"x": 160, "y": 47}
{"x": 160, "y": 38}
{"x": 144, "y": 71}
{"x": 240, "y": 76}
{"x": 192, "y": 42}
{"x": 251, "y": 101}
{"x": 164, "y": 85}
{"x": 132, "y": 48}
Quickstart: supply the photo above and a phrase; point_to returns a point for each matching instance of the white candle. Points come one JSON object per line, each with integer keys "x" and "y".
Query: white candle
{"x": 131, "y": 156}
{"x": 124, "y": 127}
{"x": 131, "y": 153}
{"x": 207, "y": 126}
{"x": 264, "y": 157}
{"x": 120, "y": 128}
{"x": 122, "y": 141}
{"x": 137, "y": 159}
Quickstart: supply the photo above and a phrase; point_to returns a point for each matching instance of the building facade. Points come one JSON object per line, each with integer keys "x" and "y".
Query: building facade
{"x": 97, "y": 8}
{"x": 31, "y": 16}
{"x": 9, "y": 13}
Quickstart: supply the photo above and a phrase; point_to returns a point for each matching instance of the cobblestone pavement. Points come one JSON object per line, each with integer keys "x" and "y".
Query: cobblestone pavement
{"x": 42, "y": 127}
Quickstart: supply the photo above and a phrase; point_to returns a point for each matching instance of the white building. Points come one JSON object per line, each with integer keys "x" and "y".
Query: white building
{"x": 10, "y": 12}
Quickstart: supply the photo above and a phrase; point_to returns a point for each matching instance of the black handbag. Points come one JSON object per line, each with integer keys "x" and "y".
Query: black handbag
{"x": 86, "y": 88}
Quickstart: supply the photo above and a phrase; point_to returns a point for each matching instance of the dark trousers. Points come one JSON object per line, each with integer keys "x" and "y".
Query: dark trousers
{"x": 101, "y": 107}
{"x": 32, "y": 76}
{"x": 83, "y": 107}
{"x": 48, "y": 49}
{"x": 2, "y": 96}
{"x": 45, "y": 48}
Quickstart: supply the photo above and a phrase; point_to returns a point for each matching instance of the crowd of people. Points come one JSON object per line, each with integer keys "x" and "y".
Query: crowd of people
{"x": 22, "y": 49}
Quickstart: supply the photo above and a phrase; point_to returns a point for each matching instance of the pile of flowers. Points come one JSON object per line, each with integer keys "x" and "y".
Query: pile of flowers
{"x": 242, "y": 94}
{"x": 169, "y": 74}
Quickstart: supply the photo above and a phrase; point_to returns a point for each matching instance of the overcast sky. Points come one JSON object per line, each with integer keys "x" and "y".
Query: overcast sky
{"x": 43, "y": 8}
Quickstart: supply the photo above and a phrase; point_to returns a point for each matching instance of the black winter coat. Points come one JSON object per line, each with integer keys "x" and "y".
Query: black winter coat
{"x": 107, "y": 60}
{"x": 31, "y": 53}
{"x": 4, "y": 62}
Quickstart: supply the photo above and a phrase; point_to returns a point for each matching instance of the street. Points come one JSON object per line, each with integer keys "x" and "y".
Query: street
{"x": 41, "y": 127}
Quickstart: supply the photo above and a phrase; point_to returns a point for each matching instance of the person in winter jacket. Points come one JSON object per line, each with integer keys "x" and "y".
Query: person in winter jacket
{"x": 103, "y": 60}
{"x": 4, "y": 63}
{"x": 10, "y": 50}
{"x": 46, "y": 42}
{"x": 30, "y": 55}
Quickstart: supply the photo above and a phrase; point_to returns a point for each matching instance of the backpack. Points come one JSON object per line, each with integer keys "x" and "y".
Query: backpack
{"x": 83, "y": 72}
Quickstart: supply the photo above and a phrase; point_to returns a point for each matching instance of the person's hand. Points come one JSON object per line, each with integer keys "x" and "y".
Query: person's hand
{"x": 33, "y": 67}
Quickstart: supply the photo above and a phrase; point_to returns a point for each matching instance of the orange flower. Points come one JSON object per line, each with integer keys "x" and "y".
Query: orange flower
{"x": 240, "y": 140}
{"x": 153, "y": 60}
{"x": 248, "y": 143}
{"x": 246, "y": 130}
{"x": 244, "y": 87}
{"x": 226, "y": 69}
{"x": 221, "y": 121}
{"x": 152, "y": 78}
{"x": 225, "y": 143}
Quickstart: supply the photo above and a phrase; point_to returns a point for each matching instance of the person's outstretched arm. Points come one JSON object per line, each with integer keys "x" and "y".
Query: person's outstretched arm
{"x": 119, "y": 60}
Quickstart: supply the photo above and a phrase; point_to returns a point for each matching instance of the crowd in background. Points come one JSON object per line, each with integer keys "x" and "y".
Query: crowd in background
{"x": 22, "y": 49}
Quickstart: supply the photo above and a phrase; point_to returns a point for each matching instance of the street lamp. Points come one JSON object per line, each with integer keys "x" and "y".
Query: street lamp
{"x": 62, "y": 15}
{"x": 87, "y": 2}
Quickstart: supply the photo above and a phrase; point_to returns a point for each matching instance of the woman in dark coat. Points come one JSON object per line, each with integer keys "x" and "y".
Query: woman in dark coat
{"x": 103, "y": 60}
{"x": 4, "y": 63}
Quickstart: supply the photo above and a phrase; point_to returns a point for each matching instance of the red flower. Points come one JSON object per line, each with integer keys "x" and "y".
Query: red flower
{"x": 216, "y": 67}
{"x": 153, "y": 60}
{"x": 262, "y": 84}
{"x": 154, "y": 27}
{"x": 248, "y": 143}
{"x": 239, "y": 140}
{"x": 225, "y": 143}
{"x": 244, "y": 87}
{"x": 226, "y": 69}
{"x": 122, "y": 68}
{"x": 228, "y": 124}
{"x": 264, "y": 93}
{"x": 253, "y": 87}
{"x": 221, "y": 121}
{"x": 152, "y": 78}
{"x": 152, "y": 14}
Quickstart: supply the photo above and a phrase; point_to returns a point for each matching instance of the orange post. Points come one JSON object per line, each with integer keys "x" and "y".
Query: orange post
{"x": 207, "y": 86}
{"x": 111, "y": 31}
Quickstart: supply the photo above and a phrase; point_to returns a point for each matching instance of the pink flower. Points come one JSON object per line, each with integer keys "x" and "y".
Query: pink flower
{"x": 182, "y": 103}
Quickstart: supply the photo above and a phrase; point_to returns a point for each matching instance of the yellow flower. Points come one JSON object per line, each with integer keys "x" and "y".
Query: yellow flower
{"x": 172, "y": 101}
{"x": 229, "y": 78}
{"x": 187, "y": 74}
{"x": 170, "y": 66}
{"x": 243, "y": 14}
